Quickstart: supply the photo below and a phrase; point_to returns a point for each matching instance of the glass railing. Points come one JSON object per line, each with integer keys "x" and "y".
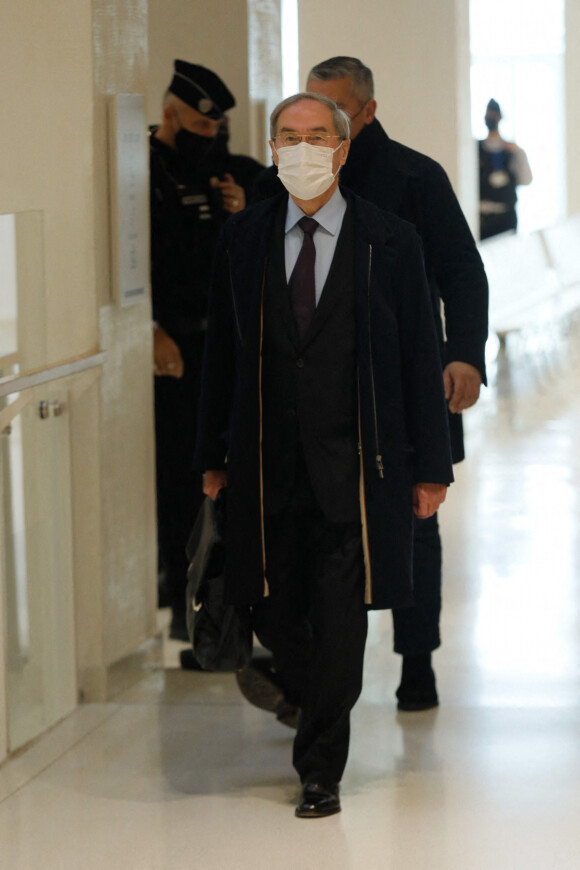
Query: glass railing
{"x": 22, "y": 293}
{"x": 37, "y": 561}
{"x": 37, "y": 643}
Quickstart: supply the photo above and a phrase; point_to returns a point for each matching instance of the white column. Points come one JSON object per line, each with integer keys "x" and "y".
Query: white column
{"x": 126, "y": 548}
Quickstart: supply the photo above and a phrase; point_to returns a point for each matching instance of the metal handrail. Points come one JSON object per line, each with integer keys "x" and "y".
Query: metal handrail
{"x": 11, "y": 411}
{"x": 18, "y": 383}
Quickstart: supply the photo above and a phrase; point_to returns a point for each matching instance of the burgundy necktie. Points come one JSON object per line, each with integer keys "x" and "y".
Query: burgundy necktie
{"x": 301, "y": 283}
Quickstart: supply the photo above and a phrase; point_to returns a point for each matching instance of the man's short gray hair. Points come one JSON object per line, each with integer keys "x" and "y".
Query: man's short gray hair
{"x": 340, "y": 119}
{"x": 362, "y": 85}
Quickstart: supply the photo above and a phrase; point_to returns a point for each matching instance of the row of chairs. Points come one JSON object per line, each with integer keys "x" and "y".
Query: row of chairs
{"x": 533, "y": 278}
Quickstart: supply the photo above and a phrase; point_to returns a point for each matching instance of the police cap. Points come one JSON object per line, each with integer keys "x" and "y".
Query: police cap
{"x": 201, "y": 89}
{"x": 493, "y": 106}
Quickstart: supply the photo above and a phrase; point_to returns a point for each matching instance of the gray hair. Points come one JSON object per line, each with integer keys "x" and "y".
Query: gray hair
{"x": 340, "y": 119}
{"x": 361, "y": 78}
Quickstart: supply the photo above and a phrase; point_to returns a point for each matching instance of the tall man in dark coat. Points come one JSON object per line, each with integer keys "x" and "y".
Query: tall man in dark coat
{"x": 323, "y": 397}
{"x": 193, "y": 192}
{"x": 416, "y": 188}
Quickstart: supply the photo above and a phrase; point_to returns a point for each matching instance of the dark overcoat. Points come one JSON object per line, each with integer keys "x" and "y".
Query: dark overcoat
{"x": 416, "y": 188}
{"x": 404, "y": 437}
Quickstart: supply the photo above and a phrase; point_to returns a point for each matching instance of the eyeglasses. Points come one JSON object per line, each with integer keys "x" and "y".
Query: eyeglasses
{"x": 351, "y": 118}
{"x": 284, "y": 139}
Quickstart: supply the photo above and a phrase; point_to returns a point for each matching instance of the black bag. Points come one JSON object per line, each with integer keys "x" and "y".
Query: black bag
{"x": 220, "y": 634}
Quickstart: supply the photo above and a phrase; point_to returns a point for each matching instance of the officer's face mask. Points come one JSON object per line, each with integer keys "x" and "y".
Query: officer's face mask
{"x": 306, "y": 170}
{"x": 192, "y": 147}
{"x": 222, "y": 139}
{"x": 492, "y": 123}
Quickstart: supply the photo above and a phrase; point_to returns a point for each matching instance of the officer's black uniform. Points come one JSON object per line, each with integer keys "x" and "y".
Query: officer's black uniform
{"x": 186, "y": 217}
{"x": 497, "y": 165}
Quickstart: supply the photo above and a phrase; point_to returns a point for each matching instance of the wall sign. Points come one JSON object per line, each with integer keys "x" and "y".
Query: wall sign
{"x": 129, "y": 198}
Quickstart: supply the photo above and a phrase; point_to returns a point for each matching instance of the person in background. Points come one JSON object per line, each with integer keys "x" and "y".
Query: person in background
{"x": 414, "y": 187}
{"x": 195, "y": 186}
{"x": 503, "y": 167}
{"x": 323, "y": 413}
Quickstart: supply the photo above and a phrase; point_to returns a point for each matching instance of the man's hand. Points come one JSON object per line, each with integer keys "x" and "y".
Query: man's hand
{"x": 462, "y": 382}
{"x": 166, "y": 356}
{"x": 213, "y": 481}
{"x": 427, "y": 497}
{"x": 233, "y": 195}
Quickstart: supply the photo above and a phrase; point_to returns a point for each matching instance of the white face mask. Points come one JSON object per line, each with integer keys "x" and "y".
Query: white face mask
{"x": 306, "y": 170}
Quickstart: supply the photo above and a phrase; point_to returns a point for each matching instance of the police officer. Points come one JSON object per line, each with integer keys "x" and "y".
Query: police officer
{"x": 503, "y": 166}
{"x": 193, "y": 192}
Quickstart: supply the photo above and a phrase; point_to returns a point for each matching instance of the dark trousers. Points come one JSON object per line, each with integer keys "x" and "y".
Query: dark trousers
{"x": 316, "y": 622}
{"x": 417, "y": 628}
{"x": 495, "y": 224}
{"x": 179, "y": 487}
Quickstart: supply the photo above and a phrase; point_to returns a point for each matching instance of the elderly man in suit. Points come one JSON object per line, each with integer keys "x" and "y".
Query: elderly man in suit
{"x": 323, "y": 411}
{"x": 414, "y": 187}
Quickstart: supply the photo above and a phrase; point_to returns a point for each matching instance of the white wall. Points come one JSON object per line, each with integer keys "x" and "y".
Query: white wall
{"x": 46, "y": 172}
{"x": 46, "y": 160}
{"x": 419, "y": 55}
{"x": 59, "y": 64}
{"x": 214, "y": 35}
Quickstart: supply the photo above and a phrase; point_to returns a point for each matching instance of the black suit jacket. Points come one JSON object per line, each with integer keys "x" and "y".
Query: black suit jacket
{"x": 412, "y": 186}
{"x": 309, "y": 390}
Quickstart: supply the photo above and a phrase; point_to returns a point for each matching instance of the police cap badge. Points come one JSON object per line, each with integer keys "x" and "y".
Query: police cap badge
{"x": 201, "y": 89}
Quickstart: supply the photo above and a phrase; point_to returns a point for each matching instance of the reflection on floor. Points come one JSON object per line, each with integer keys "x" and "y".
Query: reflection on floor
{"x": 179, "y": 772}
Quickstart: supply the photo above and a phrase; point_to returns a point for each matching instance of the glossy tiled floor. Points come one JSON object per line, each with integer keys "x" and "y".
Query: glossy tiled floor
{"x": 180, "y": 773}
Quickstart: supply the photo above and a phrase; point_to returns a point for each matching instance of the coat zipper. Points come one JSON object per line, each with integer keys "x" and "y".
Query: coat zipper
{"x": 239, "y": 331}
{"x": 378, "y": 457}
{"x": 266, "y": 586}
{"x": 363, "y": 511}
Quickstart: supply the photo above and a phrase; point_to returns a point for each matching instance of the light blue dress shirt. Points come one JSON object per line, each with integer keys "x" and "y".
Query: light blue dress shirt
{"x": 330, "y": 218}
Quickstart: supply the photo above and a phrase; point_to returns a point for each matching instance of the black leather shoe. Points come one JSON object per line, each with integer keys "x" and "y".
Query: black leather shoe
{"x": 178, "y": 626}
{"x": 163, "y": 596}
{"x": 288, "y": 714}
{"x": 317, "y": 801}
{"x": 259, "y": 685}
{"x": 417, "y": 690}
{"x": 189, "y": 662}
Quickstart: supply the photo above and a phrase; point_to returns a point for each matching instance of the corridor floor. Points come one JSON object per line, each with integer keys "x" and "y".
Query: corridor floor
{"x": 179, "y": 772}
